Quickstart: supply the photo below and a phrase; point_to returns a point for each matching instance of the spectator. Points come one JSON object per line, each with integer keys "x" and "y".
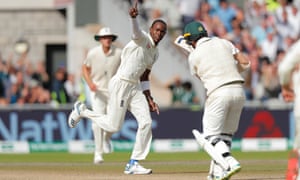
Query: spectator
{"x": 270, "y": 45}
{"x": 203, "y": 15}
{"x": 41, "y": 75}
{"x": 255, "y": 13}
{"x": 3, "y": 100}
{"x": 58, "y": 91}
{"x": 226, "y": 13}
{"x": 16, "y": 85}
{"x": 286, "y": 43}
{"x": 253, "y": 88}
{"x": 177, "y": 91}
{"x": 4, "y": 80}
{"x": 294, "y": 19}
{"x": 187, "y": 10}
{"x": 14, "y": 94}
{"x": 214, "y": 4}
{"x": 236, "y": 33}
{"x": 189, "y": 96}
{"x": 72, "y": 88}
{"x": 182, "y": 92}
{"x": 259, "y": 32}
{"x": 38, "y": 94}
{"x": 25, "y": 95}
{"x": 218, "y": 28}
{"x": 248, "y": 42}
{"x": 282, "y": 23}
{"x": 269, "y": 79}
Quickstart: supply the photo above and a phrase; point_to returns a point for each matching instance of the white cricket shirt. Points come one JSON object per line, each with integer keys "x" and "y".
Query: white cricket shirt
{"x": 103, "y": 66}
{"x": 137, "y": 56}
{"x": 213, "y": 62}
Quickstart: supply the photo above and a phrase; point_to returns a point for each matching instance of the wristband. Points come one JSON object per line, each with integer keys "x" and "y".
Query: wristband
{"x": 145, "y": 85}
{"x": 245, "y": 66}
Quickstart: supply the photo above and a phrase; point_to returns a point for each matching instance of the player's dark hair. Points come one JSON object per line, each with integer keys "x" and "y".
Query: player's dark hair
{"x": 158, "y": 21}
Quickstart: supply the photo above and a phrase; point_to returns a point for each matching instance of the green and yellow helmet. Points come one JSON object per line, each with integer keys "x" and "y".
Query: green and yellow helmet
{"x": 194, "y": 30}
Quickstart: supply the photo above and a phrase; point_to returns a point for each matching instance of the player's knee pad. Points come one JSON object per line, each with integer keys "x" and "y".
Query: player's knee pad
{"x": 227, "y": 138}
{"x": 209, "y": 145}
{"x": 220, "y": 145}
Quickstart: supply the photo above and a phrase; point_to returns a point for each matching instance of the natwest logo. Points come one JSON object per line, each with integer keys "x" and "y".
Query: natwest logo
{"x": 46, "y": 127}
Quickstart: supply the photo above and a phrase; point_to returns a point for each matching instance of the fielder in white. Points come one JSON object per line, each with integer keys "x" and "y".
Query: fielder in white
{"x": 289, "y": 76}
{"x": 129, "y": 90}
{"x": 98, "y": 68}
{"x": 218, "y": 64}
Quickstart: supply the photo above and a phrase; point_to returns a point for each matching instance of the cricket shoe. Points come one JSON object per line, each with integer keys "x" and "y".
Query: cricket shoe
{"x": 136, "y": 168}
{"x": 75, "y": 116}
{"x": 227, "y": 174}
{"x": 98, "y": 159}
{"x": 235, "y": 166}
{"x": 217, "y": 172}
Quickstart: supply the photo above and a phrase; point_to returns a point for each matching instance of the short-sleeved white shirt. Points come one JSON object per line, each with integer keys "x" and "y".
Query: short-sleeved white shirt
{"x": 137, "y": 56}
{"x": 213, "y": 62}
{"x": 103, "y": 66}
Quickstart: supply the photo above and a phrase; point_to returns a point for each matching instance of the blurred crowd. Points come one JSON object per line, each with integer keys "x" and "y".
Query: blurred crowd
{"x": 262, "y": 29}
{"x": 23, "y": 82}
{"x": 183, "y": 93}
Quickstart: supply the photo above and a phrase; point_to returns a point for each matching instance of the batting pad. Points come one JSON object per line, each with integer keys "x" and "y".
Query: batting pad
{"x": 208, "y": 147}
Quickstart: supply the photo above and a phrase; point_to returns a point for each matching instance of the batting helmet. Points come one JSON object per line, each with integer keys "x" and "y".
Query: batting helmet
{"x": 194, "y": 30}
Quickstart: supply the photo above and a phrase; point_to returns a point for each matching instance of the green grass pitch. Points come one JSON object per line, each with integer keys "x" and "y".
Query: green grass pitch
{"x": 179, "y": 165}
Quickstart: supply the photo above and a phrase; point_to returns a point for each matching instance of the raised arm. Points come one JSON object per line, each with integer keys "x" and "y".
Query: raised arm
{"x": 133, "y": 12}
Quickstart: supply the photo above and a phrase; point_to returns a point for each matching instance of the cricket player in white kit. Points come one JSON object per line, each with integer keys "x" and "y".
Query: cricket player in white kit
{"x": 289, "y": 76}
{"x": 98, "y": 68}
{"x": 217, "y": 63}
{"x": 129, "y": 90}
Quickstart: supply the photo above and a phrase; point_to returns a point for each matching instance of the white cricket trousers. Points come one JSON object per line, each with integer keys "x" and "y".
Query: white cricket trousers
{"x": 125, "y": 95}
{"x": 222, "y": 110}
{"x": 99, "y": 104}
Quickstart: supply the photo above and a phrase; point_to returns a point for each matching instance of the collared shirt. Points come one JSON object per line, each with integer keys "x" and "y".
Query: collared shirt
{"x": 137, "y": 56}
{"x": 103, "y": 66}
